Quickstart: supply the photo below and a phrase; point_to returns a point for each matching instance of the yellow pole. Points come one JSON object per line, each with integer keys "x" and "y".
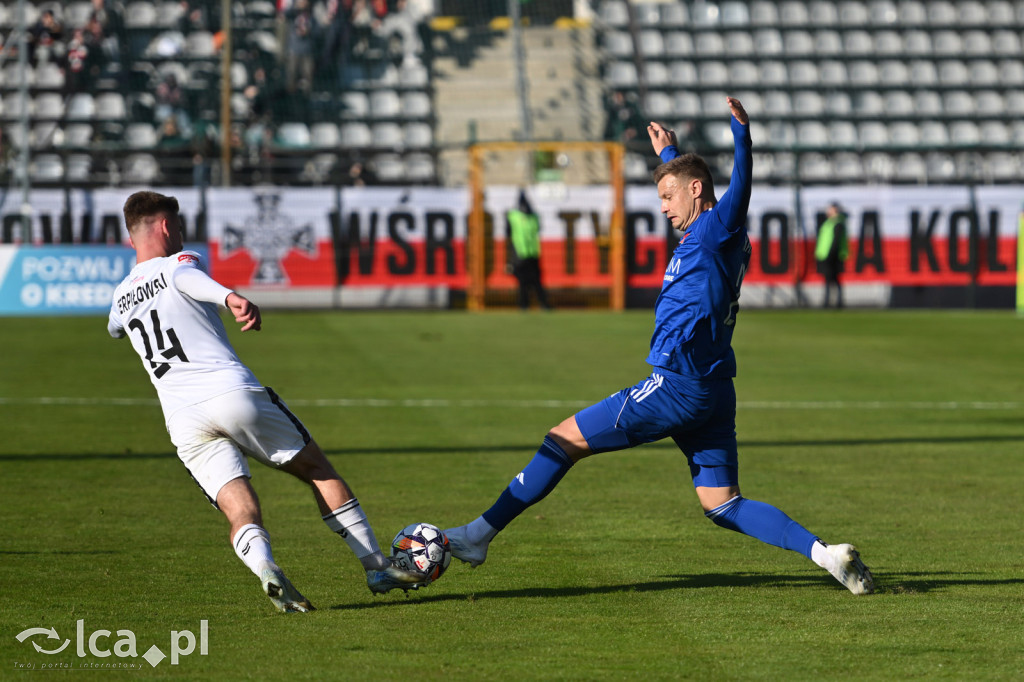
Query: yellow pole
{"x": 225, "y": 95}
{"x": 618, "y": 229}
{"x": 1020, "y": 264}
{"x": 475, "y": 242}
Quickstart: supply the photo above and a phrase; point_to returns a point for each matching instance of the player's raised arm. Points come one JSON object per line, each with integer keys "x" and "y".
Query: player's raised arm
{"x": 732, "y": 208}
{"x": 663, "y": 140}
{"x": 738, "y": 112}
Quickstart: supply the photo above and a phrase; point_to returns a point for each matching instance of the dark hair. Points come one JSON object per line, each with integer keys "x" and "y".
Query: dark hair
{"x": 689, "y": 166}
{"x": 147, "y": 204}
{"x": 524, "y": 202}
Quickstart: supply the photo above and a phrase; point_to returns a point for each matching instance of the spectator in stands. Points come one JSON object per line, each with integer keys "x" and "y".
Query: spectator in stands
{"x": 170, "y": 102}
{"x": 195, "y": 16}
{"x": 364, "y": 22}
{"x": 299, "y": 65}
{"x": 258, "y": 95}
{"x": 99, "y": 47}
{"x": 175, "y": 153}
{"x": 110, "y": 16}
{"x": 360, "y": 175}
{"x": 171, "y": 137}
{"x": 168, "y": 96}
{"x": 831, "y": 252}
{"x": 42, "y": 35}
{"x": 78, "y": 64}
{"x": 239, "y": 154}
{"x": 110, "y": 13}
{"x": 337, "y": 34}
{"x": 401, "y": 24}
{"x": 692, "y": 139}
{"x": 624, "y": 122}
{"x": 524, "y": 234}
{"x": 203, "y": 146}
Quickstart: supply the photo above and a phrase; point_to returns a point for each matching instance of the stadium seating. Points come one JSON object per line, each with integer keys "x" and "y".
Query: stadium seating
{"x": 936, "y": 84}
{"x": 324, "y": 135}
{"x": 374, "y": 101}
{"x": 879, "y": 90}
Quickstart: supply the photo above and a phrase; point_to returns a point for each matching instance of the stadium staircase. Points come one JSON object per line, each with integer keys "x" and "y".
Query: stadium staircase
{"x": 477, "y": 100}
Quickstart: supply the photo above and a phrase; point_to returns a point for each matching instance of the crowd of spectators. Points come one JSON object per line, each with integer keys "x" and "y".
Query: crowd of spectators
{"x": 80, "y": 51}
{"x": 320, "y": 46}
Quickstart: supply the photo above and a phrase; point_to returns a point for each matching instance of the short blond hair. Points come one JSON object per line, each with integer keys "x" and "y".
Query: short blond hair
{"x": 687, "y": 167}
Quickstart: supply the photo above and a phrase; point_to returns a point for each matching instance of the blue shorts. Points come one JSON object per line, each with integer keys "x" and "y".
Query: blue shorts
{"x": 699, "y": 415}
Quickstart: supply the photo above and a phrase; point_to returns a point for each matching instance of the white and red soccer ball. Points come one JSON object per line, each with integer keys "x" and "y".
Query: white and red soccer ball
{"x": 422, "y": 548}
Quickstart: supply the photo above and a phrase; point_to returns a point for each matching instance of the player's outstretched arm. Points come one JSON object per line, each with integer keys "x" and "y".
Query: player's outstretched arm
{"x": 661, "y": 137}
{"x": 732, "y": 207}
{"x": 245, "y": 311}
{"x": 738, "y": 112}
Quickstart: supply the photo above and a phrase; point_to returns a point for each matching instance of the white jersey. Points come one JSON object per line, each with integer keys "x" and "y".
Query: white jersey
{"x": 181, "y": 340}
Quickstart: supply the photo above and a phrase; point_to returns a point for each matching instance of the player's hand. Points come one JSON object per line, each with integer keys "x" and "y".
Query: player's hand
{"x": 245, "y": 311}
{"x": 661, "y": 137}
{"x": 738, "y": 112}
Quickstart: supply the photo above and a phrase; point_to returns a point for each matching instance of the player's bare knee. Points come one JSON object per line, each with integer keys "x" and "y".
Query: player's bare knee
{"x": 712, "y": 498}
{"x": 567, "y": 435}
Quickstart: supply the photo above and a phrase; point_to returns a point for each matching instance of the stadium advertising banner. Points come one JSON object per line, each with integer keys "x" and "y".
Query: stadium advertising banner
{"x": 898, "y": 236}
{"x": 393, "y": 240}
{"x": 61, "y": 280}
{"x": 271, "y": 237}
{"x": 388, "y": 236}
{"x": 64, "y": 280}
{"x": 74, "y": 252}
{"x": 365, "y": 237}
{"x": 84, "y": 217}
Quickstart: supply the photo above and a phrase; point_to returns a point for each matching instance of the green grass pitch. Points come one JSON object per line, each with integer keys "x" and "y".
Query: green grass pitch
{"x": 902, "y": 432}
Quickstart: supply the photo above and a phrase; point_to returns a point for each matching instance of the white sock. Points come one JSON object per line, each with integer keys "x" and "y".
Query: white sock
{"x": 820, "y": 555}
{"x": 252, "y": 545}
{"x": 480, "y": 531}
{"x": 350, "y": 523}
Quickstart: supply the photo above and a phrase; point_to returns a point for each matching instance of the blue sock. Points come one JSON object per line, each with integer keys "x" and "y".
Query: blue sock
{"x": 764, "y": 522}
{"x": 539, "y": 478}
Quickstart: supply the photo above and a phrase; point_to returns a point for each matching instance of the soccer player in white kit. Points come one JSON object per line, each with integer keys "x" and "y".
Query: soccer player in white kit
{"x": 216, "y": 411}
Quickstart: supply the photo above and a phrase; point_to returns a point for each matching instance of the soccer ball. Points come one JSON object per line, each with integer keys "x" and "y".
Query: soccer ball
{"x": 422, "y": 548}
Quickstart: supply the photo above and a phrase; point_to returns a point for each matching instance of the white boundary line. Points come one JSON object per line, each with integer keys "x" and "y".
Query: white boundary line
{"x": 563, "y": 404}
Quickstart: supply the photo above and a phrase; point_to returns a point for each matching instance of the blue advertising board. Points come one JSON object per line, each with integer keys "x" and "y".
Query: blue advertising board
{"x": 63, "y": 280}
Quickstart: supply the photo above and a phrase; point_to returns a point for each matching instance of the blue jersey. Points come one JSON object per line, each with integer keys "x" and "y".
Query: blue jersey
{"x": 696, "y": 311}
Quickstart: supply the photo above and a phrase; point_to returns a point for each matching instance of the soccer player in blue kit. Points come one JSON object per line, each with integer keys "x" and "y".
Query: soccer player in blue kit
{"x": 689, "y": 395}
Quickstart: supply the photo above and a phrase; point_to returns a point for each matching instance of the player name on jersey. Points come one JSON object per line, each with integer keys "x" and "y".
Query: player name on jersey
{"x": 141, "y": 293}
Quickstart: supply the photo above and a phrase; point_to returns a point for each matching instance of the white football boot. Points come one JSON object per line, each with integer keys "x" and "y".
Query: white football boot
{"x": 850, "y": 570}
{"x": 280, "y": 590}
{"x": 393, "y": 577}
{"x": 463, "y": 549}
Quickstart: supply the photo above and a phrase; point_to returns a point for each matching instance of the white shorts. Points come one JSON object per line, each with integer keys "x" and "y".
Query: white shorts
{"x": 213, "y": 437}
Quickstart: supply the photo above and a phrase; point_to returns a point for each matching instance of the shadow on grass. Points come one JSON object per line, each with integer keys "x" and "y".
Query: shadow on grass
{"x": 527, "y": 448}
{"x": 56, "y": 552}
{"x": 904, "y": 583}
{"x": 418, "y": 450}
{"x": 856, "y": 442}
{"x": 917, "y": 583}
